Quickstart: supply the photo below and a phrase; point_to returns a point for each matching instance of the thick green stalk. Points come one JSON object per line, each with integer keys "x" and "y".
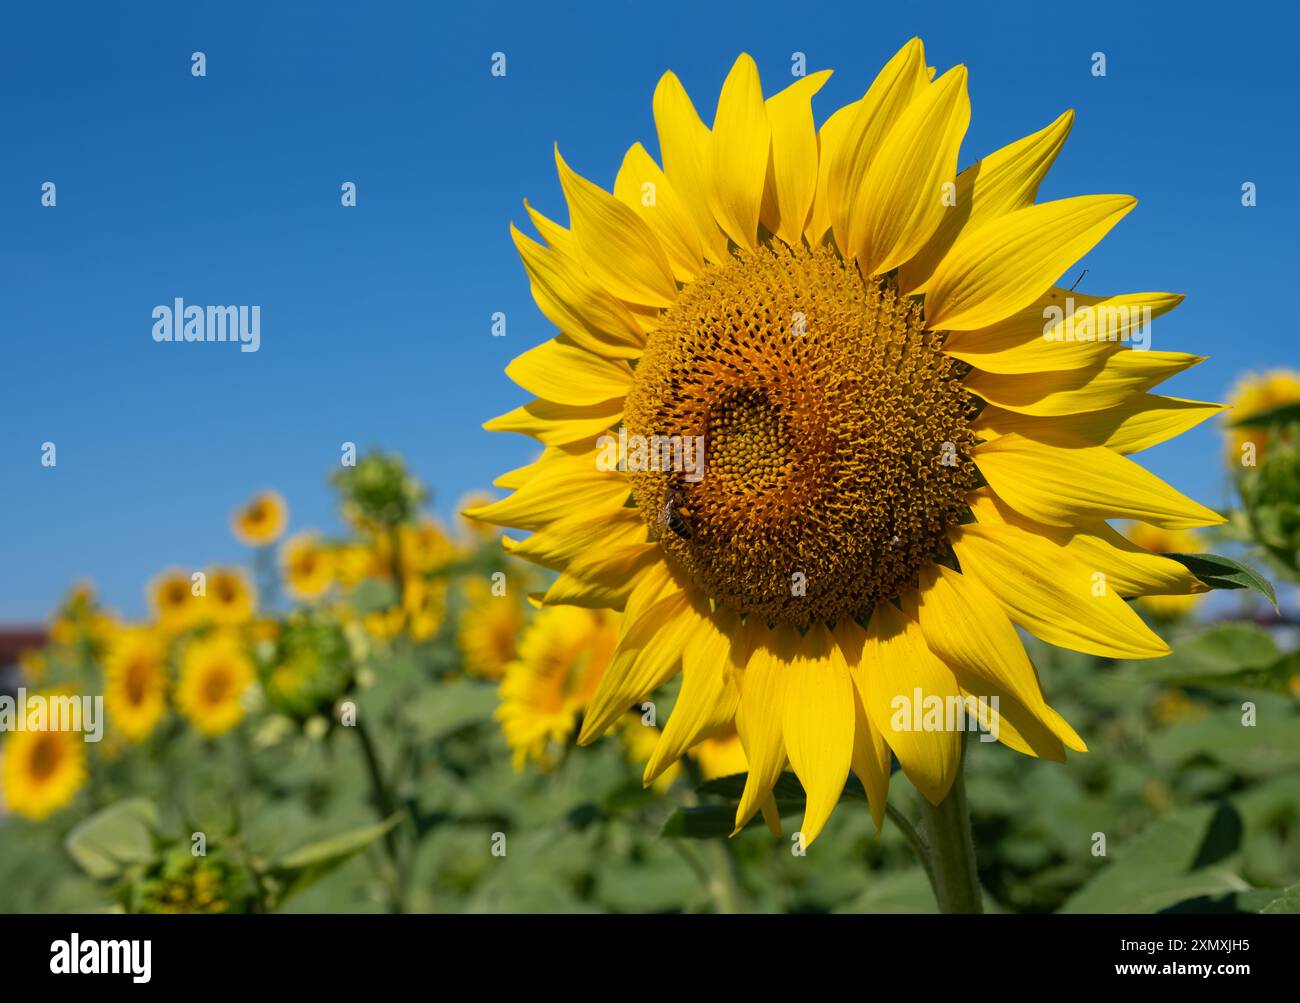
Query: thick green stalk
{"x": 950, "y": 850}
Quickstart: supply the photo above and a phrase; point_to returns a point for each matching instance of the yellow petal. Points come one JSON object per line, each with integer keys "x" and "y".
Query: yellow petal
{"x": 830, "y": 138}
{"x": 567, "y": 539}
{"x": 1003, "y": 718}
{"x": 558, "y": 424}
{"x": 1059, "y": 330}
{"x": 615, "y": 247}
{"x": 548, "y": 495}
{"x": 648, "y": 655}
{"x": 568, "y": 374}
{"x": 964, "y": 625}
{"x": 575, "y": 304}
{"x": 1111, "y": 381}
{"x": 901, "y": 202}
{"x": 603, "y": 579}
{"x": 641, "y": 185}
{"x": 819, "y": 727}
{"x": 903, "y": 678}
{"x": 738, "y": 150}
{"x": 557, "y": 237}
{"x": 872, "y": 761}
{"x": 1052, "y": 595}
{"x": 792, "y": 166}
{"x": 901, "y": 79}
{"x": 1063, "y": 487}
{"x": 1005, "y": 265}
{"x": 1143, "y": 420}
{"x": 760, "y": 717}
{"x": 707, "y": 699}
{"x": 1129, "y": 569}
{"x": 684, "y": 145}
{"x": 1002, "y": 182}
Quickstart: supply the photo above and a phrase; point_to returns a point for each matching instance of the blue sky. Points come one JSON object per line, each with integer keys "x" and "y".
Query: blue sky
{"x": 376, "y": 319}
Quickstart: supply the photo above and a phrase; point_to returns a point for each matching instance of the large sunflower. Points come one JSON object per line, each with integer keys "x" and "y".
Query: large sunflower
{"x": 899, "y": 466}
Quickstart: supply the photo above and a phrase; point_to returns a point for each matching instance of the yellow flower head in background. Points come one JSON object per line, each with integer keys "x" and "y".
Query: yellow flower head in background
{"x": 229, "y": 598}
{"x": 425, "y": 604}
{"x": 35, "y": 664}
{"x": 215, "y": 674}
{"x": 41, "y": 771}
{"x": 721, "y": 754}
{"x": 1167, "y": 541}
{"x": 135, "y": 682}
{"x": 307, "y": 565}
{"x": 172, "y": 600}
{"x": 261, "y": 520}
{"x": 488, "y": 630}
{"x": 384, "y": 625}
{"x": 813, "y": 516}
{"x": 562, "y": 657}
{"x": 641, "y": 740}
{"x": 1255, "y": 394}
{"x": 80, "y": 618}
{"x": 355, "y": 562}
{"x": 425, "y": 547}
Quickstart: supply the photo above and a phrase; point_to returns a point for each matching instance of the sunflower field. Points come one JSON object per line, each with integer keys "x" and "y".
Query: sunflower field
{"x": 387, "y": 722}
{"x": 923, "y": 633}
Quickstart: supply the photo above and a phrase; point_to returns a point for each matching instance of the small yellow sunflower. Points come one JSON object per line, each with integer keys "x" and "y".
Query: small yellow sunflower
{"x": 135, "y": 682}
{"x": 42, "y": 771}
{"x": 35, "y": 665}
{"x": 821, "y": 423}
{"x": 229, "y": 598}
{"x": 215, "y": 674}
{"x": 261, "y": 520}
{"x": 425, "y": 603}
{"x": 562, "y": 656}
{"x": 424, "y": 547}
{"x": 63, "y": 631}
{"x": 172, "y": 599}
{"x": 1167, "y": 541}
{"x": 308, "y": 566}
{"x": 355, "y": 562}
{"x": 384, "y": 625}
{"x": 489, "y": 629}
{"x": 1254, "y": 394}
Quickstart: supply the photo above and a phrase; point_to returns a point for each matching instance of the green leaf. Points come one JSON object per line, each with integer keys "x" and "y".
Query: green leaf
{"x": 1288, "y": 902}
{"x": 704, "y": 821}
{"x": 1220, "y": 572}
{"x": 1179, "y": 857}
{"x": 373, "y": 596}
{"x": 711, "y": 821}
{"x": 787, "y": 790}
{"x": 900, "y": 891}
{"x": 301, "y": 868}
{"x": 443, "y": 710}
{"x": 1283, "y": 414}
{"x": 1267, "y": 748}
{"x": 115, "y": 838}
{"x": 1274, "y": 678}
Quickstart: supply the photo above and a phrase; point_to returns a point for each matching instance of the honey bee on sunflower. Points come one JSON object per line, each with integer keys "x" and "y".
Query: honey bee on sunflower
{"x": 856, "y": 331}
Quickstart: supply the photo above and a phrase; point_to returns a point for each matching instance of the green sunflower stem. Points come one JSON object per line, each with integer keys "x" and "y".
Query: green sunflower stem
{"x": 386, "y": 804}
{"x": 949, "y": 849}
